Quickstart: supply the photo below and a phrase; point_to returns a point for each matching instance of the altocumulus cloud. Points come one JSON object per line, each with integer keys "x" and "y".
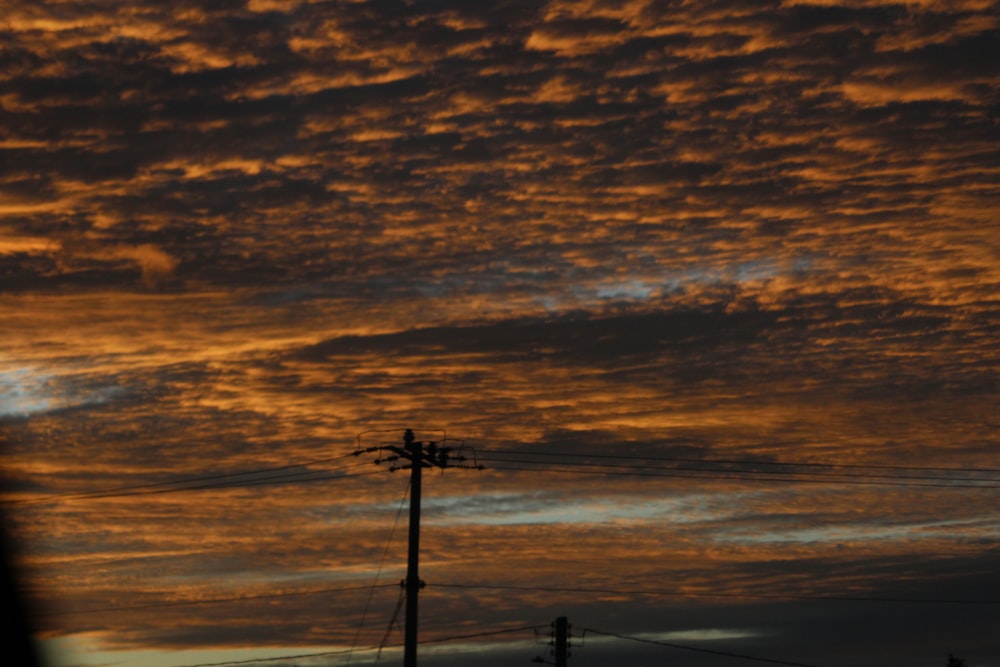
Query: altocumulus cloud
{"x": 233, "y": 235}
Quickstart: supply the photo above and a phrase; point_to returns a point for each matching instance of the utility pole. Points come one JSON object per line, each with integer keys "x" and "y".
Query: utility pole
{"x": 419, "y": 455}
{"x": 562, "y": 641}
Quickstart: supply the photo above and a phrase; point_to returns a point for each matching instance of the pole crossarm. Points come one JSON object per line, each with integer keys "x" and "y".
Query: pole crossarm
{"x": 430, "y": 456}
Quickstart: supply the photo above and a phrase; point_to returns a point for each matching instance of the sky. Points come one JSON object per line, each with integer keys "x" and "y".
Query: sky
{"x": 711, "y": 290}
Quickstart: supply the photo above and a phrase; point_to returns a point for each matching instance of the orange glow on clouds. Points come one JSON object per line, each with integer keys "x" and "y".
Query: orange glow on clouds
{"x": 700, "y": 238}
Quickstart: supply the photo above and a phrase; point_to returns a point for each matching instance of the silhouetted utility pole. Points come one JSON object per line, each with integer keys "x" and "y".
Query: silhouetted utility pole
{"x": 420, "y": 456}
{"x": 562, "y": 641}
{"x": 559, "y": 643}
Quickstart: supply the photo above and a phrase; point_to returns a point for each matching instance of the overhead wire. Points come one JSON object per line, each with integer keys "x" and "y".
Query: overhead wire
{"x": 825, "y": 470}
{"x": 712, "y": 469}
{"x": 434, "y": 640}
{"x": 732, "y": 595}
{"x": 191, "y": 479}
{"x": 721, "y": 474}
{"x": 811, "y": 464}
{"x": 218, "y": 480}
{"x": 477, "y": 635}
{"x": 699, "y": 649}
{"x": 251, "y": 661}
{"x": 200, "y": 601}
{"x": 183, "y": 484}
{"x": 244, "y": 478}
{"x": 381, "y": 564}
{"x": 392, "y": 623}
{"x": 319, "y": 476}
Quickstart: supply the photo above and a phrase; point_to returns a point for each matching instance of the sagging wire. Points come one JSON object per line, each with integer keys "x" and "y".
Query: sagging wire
{"x": 392, "y": 624}
{"x": 378, "y": 573}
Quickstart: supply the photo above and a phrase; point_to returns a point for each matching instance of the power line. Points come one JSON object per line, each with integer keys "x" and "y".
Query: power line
{"x": 320, "y": 476}
{"x": 491, "y": 633}
{"x": 766, "y": 596}
{"x": 251, "y": 661}
{"x": 181, "y": 480}
{"x": 812, "y": 476}
{"x": 827, "y": 472}
{"x": 381, "y": 564}
{"x": 282, "y": 478}
{"x": 234, "y": 598}
{"x": 392, "y": 623}
{"x": 435, "y": 640}
{"x": 737, "y": 476}
{"x": 825, "y": 469}
{"x": 727, "y": 654}
{"x": 804, "y": 464}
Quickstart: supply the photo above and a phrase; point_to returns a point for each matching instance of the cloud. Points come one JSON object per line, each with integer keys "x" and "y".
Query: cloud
{"x": 155, "y": 265}
{"x": 14, "y": 244}
{"x": 235, "y": 235}
{"x": 20, "y": 394}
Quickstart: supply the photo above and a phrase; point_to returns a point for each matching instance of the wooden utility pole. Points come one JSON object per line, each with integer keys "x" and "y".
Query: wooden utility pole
{"x": 420, "y": 457}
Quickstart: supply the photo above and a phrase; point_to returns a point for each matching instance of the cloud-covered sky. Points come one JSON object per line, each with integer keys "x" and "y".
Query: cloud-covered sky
{"x": 712, "y": 289}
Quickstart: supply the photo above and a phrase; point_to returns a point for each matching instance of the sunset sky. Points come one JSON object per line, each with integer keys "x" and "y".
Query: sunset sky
{"x": 711, "y": 289}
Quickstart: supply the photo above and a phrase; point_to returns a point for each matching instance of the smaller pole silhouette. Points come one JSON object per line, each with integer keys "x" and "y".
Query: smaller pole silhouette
{"x": 562, "y": 641}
